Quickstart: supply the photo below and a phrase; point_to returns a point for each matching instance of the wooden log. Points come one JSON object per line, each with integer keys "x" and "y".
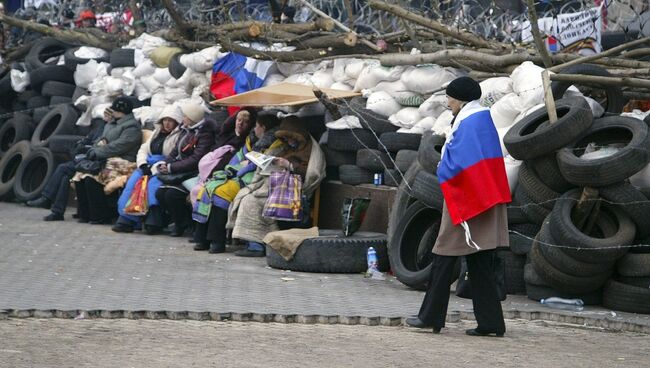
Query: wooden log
{"x": 601, "y": 81}
{"x": 298, "y": 55}
{"x": 465, "y": 37}
{"x": 341, "y": 40}
{"x": 185, "y": 29}
{"x": 612, "y": 51}
{"x": 636, "y": 53}
{"x": 537, "y": 36}
{"x": 172, "y": 35}
{"x": 549, "y": 101}
{"x": 586, "y": 211}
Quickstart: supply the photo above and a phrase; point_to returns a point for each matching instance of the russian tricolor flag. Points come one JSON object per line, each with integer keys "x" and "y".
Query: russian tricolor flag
{"x": 472, "y": 173}
{"x": 235, "y": 73}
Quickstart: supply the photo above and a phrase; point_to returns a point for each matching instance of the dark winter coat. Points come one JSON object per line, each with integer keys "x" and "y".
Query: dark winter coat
{"x": 194, "y": 142}
{"x": 121, "y": 138}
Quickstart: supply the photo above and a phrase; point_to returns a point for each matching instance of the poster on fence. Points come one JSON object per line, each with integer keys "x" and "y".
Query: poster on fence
{"x": 578, "y": 32}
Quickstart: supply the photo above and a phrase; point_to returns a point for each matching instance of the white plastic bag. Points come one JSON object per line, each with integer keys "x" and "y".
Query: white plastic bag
{"x": 89, "y": 72}
{"x": 427, "y": 79}
{"x": 341, "y": 86}
{"x": 274, "y": 79}
{"x": 527, "y": 112}
{"x": 506, "y": 110}
{"x": 382, "y": 103}
{"x": 443, "y": 123}
{"x": 19, "y": 80}
{"x": 527, "y": 84}
{"x": 202, "y": 61}
{"x": 512, "y": 171}
{"x": 345, "y": 122}
{"x": 161, "y": 75}
{"x": 322, "y": 78}
{"x": 87, "y": 52}
{"x": 434, "y": 105}
{"x": 426, "y": 123}
{"x": 493, "y": 89}
{"x": 302, "y": 78}
{"x": 145, "y": 68}
{"x": 354, "y": 68}
{"x": 406, "y": 117}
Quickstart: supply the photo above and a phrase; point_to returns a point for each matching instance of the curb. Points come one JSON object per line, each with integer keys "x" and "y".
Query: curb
{"x": 605, "y": 323}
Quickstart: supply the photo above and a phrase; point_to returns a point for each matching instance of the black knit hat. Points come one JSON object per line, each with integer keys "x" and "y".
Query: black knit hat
{"x": 464, "y": 89}
{"x": 122, "y": 104}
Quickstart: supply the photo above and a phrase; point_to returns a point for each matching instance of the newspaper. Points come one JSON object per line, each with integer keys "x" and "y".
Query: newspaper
{"x": 264, "y": 162}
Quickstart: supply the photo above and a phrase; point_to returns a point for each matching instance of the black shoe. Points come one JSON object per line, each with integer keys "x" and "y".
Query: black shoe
{"x": 40, "y": 202}
{"x": 178, "y": 231}
{"x": 249, "y": 253}
{"x": 53, "y": 217}
{"x": 216, "y": 248}
{"x": 81, "y": 220}
{"x": 104, "y": 221}
{"x": 202, "y": 246}
{"x": 152, "y": 230}
{"x": 475, "y": 332}
{"x": 192, "y": 240}
{"x": 122, "y": 228}
{"x": 417, "y": 323}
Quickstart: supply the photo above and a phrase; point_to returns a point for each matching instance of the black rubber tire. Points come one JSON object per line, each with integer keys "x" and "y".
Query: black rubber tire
{"x": 368, "y": 118}
{"x": 58, "y": 100}
{"x": 337, "y": 158}
{"x": 50, "y": 73}
{"x": 581, "y": 246}
{"x": 38, "y": 101}
{"x": 33, "y": 173}
{"x": 72, "y": 61}
{"x": 392, "y": 178}
{"x": 63, "y": 144}
{"x": 176, "y": 69}
{"x": 533, "y": 212}
{"x": 6, "y": 91}
{"x": 374, "y": 160}
{"x": 615, "y": 98}
{"x": 533, "y": 136}
{"x": 631, "y": 201}
{"x": 536, "y": 190}
{"x": 13, "y": 131}
{"x": 564, "y": 262}
{"x": 426, "y": 189}
{"x": 395, "y": 142}
{"x": 351, "y": 140}
{"x": 60, "y": 120}
{"x": 404, "y": 159}
{"x": 429, "y": 151}
{"x": 122, "y": 58}
{"x": 39, "y": 113}
{"x": 411, "y": 243}
{"x": 515, "y": 214}
{"x": 42, "y": 50}
{"x": 514, "y": 272}
{"x": 354, "y": 175}
{"x": 634, "y": 265}
{"x": 626, "y": 298}
{"x": 611, "y": 169}
{"x": 643, "y": 282}
{"x": 539, "y": 292}
{"x": 78, "y": 92}
{"x": 548, "y": 171}
{"x": 564, "y": 282}
{"x": 333, "y": 252}
{"x": 521, "y": 237}
{"x": 9, "y": 167}
{"x": 402, "y": 200}
{"x": 54, "y": 88}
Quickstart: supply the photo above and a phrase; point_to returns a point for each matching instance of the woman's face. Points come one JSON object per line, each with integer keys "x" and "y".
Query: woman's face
{"x": 259, "y": 130}
{"x": 242, "y": 124}
{"x": 168, "y": 124}
{"x": 292, "y": 143}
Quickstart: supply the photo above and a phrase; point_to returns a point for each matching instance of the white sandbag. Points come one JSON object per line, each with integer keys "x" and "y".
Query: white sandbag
{"x": 197, "y": 80}
{"x": 301, "y": 78}
{"x": 175, "y": 94}
{"x": 89, "y": 72}
{"x": 129, "y": 82}
{"x": 119, "y": 72}
{"x": 146, "y": 114}
{"x": 493, "y": 89}
{"x": 397, "y": 89}
{"x": 345, "y": 122}
{"x": 147, "y": 43}
{"x": 338, "y": 70}
{"x": 597, "y": 109}
{"x": 87, "y": 52}
{"x": 527, "y": 84}
{"x": 144, "y": 69}
{"x": 341, "y": 86}
{"x": 406, "y": 117}
{"x": 374, "y": 73}
{"x": 443, "y": 123}
{"x": 434, "y": 105}
{"x": 506, "y": 110}
{"x": 290, "y": 69}
{"x": 512, "y": 171}
{"x": 274, "y": 79}
{"x": 322, "y": 78}
{"x": 98, "y": 110}
{"x": 150, "y": 83}
{"x": 427, "y": 79}
{"x": 354, "y": 68}
{"x": 527, "y": 112}
{"x": 642, "y": 178}
{"x": 202, "y": 61}
{"x": 19, "y": 80}
{"x": 161, "y": 75}
{"x": 426, "y": 123}
{"x": 140, "y": 91}
{"x": 382, "y": 103}
{"x": 158, "y": 100}
{"x": 502, "y": 133}
{"x": 413, "y": 130}
{"x": 114, "y": 86}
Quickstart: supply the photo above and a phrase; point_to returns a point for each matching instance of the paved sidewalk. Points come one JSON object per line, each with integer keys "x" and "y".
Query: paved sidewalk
{"x": 65, "y": 266}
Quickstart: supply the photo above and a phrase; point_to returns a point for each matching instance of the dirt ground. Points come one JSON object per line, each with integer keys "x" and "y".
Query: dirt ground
{"x": 146, "y": 343}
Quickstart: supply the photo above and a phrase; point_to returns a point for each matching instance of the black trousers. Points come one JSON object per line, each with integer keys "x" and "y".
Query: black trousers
{"x": 487, "y": 307}
{"x": 58, "y": 186}
{"x": 214, "y": 230}
{"x": 93, "y": 203}
{"x": 174, "y": 202}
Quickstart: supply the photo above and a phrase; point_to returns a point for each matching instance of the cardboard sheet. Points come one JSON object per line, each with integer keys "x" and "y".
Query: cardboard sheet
{"x": 283, "y": 94}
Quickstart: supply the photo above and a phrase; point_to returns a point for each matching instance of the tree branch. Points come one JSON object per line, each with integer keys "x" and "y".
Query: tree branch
{"x": 539, "y": 43}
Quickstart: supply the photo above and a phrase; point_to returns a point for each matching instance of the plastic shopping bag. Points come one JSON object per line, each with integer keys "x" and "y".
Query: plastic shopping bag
{"x": 284, "y": 200}
{"x": 138, "y": 205}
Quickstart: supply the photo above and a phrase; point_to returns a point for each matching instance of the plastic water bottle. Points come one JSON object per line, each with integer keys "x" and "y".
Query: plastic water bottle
{"x": 373, "y": 267}
{"x": 576, "y": 305}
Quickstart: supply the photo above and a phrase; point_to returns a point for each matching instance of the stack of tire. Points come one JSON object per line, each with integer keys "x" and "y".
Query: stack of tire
{"x": 563, "y": 259}
{"x": 356, "y": 155}
{"x": 37, "y": 128}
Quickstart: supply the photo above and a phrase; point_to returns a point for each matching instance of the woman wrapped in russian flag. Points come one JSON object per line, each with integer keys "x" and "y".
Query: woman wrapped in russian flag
{"x": 474, "y": 221}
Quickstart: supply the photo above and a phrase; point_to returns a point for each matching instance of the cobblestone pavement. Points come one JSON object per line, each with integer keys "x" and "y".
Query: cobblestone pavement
{"x": 66, "y": 266}
{"x": 38, "y": 343}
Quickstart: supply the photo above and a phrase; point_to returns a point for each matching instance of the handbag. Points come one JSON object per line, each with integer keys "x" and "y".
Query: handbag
{"x": 464, "y": 288}
{"x": 87, "y": 166}
{"x": 285, "y": 197}
{"x": 173, "y": 179}
{"x": 138, "y": 203}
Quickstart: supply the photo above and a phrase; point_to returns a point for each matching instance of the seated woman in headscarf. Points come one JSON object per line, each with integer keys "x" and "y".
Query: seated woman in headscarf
{"x": 292, "y": 155}
{"x": 210, "y": 208}
{"x": 159, "y": 145}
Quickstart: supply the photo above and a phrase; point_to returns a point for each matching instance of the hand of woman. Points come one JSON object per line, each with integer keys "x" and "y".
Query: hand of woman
{"x": 163, "y": 169}
{"x": 282, "y": 162}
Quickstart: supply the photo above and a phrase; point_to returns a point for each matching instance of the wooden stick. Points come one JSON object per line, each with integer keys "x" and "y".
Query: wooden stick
{"x": 612, "y": 51}
{"x": 601, "y": 81}
{"x": 537, "y": 36}
{"x": 327, "y": 102}
{"x": 138, "y": 24}
{"x": 549, "y": 101}
{"x": 586, "y": 211}
{"x": 340, "y": 25}
{"x": 182, "y": 26}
